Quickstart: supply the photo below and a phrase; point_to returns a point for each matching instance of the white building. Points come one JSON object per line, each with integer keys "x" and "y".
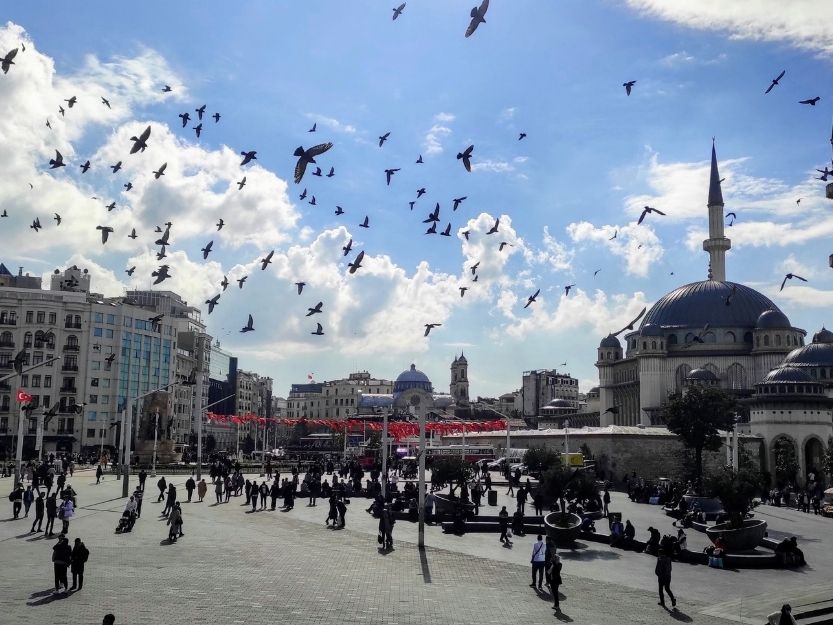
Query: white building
{"x": 542, "y": 386}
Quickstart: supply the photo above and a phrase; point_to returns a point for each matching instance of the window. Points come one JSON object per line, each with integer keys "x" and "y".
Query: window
{"x": 90, "y": 432}
{"x": 128, "y": 322}
{"x": 111, "y": 320}
{"x": 108, "y": 333}
{"x": 24, "y": 380}
{"x": 29, "y": 316}
{"x": 35, "y": 381}
{"x": 27, "y": 339}
{"x": 96, "y": 365}
{"x": 37, "y": 358}
{"x": 766, "y": 340}
{"x": 105, "y": 383}
{"x": 99, "y": 317}
{"x": 94, "y": 382}
{"x": 47, "y": 400}
{"x": 41, "y": 317}
{"x": 53, "y": 318}
{"x": 778, "y": 340}
{"x": 98, "y": 332}
{"x": 47, "y": 381}
{"x": 93, "y": 399}
{"x": 91, "y": 415}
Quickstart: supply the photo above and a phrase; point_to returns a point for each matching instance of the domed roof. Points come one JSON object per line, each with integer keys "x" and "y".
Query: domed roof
{"x": 787, "y": 374}
{"x": 823, "y": 336}
{"x": 610, "y": 341}
{"x": 696, "y": 304}
{"x": 819, "y": 353}
{"x": 772, "y": 319}
{"x": 650, "y": 329}
{"x": 559, "y": 403}
{"x": 701, "y": 374}
{"x": 411, "y": 378}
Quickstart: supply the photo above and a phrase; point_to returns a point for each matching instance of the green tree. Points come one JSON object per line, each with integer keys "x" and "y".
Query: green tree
{"x": 540, "y": 459}
{"x": 786, "y": 463}
{"x": 561, "y": 484}
{"x": 736, "y": 490}
{"x": 827, "y": 461}
{"x": 697, "y": 419}
{"x": 450, "y": 470}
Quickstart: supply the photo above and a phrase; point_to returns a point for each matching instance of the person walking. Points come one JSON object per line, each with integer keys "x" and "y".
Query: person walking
{"x": 254, "y": 493}
{"x": 162, "y": 484}
{"x": 333, "y": 513}
{"x": 65, "y": 513}
{"x": 606, "y": 502}
{"x": 16, "y": 497}
{"x": 274, "y": 492}
{"x": 342, "y": 513}
{"x": 264, "y": 491}
{"x": 476, "y": 494}
{"x": 40, "y": 505}
{"x": 61, "y": 557}
{"x": 190, "y": 485}
{"x": 28, "y": 498}
{"x": 503, "y": 520}
{"x": 80, "y": 555}
{"x": 248, "y": 490}
{"x": 98, "y": 473}
{"x": 663, "y": 573}
{"x": 386, "y": 522}
{"x": 538, "y": 561}
{"x": 142, "y": 477}
{"x": 202, "y": 488}
{"x": 511, "y": 482}
{"x": 554, "y": 575}
{"x": 521, "y": 499}
{"x": 170, "y": 501}
{"x": 138, "y": 495}
{"x": 487, "y": 481}
{"x": 218, "y": 490}
{"x": 175, "y": 523}
{"x": 51, "y": 513}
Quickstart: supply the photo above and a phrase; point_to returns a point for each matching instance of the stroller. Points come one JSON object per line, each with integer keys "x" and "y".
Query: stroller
{"x": 125, "y": 522}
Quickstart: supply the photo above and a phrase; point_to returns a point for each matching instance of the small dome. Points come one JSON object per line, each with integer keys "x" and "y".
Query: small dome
{"x": 703, "y": 375}
{"x": 787, "y": 374}
{"x": 610, "y": 341}
{"x": 823, "y": 336}
{"x": 650, "y": 329}
{"x": 559, "y": 403}
{"x": 412, "y": 378}
{"x": 770, "y": 319}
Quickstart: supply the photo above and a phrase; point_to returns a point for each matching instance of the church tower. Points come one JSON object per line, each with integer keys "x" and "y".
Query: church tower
{"x": 460, "y": 381}
{"x": 716, "y": 245}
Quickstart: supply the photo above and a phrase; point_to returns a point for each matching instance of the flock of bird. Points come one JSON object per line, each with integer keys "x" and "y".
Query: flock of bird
{"x": 306, "y": 157}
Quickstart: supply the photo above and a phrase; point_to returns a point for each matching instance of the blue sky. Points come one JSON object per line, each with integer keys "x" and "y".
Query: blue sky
{"x": 591, "y": 159}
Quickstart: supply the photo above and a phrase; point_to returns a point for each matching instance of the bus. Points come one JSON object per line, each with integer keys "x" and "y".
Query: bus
{"x": 473, "y": 453}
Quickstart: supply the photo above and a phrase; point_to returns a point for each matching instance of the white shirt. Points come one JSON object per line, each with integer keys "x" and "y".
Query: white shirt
{"x": 131, "y": 506}
{"x": 539, "y": 552}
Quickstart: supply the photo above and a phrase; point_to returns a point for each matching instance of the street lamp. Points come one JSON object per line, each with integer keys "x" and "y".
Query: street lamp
{"x": 199, "y": 430}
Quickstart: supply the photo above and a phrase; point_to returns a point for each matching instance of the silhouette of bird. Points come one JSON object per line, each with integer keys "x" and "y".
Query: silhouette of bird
{"x": 775, "y": 82}
{"x": 463, "y": 290}
{"x": 478, "y": 16}
{"x": 419, "y": 160}
{"x": 398, "y": 11}
{"x": 567, "y": 289}
{"x": 825, "y": 172}
{"x": 315, "y": 310}
{"x": 532, "y": 298}
{"x": 432, "y": 229}
{"x": 811, "y": 101}
{"x": 105, "y": 233}
{"x": 631, "y": 324}
{"x": 383, "y": 138}
{"x": 698, "y": 338}
{"x": 790, "y": 276}
{"x": 389, "y": 173}
{"x": 166, "y": 89}
{"x": 733, "y": 216}
{"x": 220, "y": 224}
{"x": 140, "y": 142}
{"x": 216, "y": 117}
{"x": 7, "y": 61}
{"x": 61, "y": 111}
{"x": 466, "y": 234}
{"x": 130, "y": 271}
{"x": 317, "y": 172}
{"x": 628, "y": 86}
{"x": 595, "y": 273}
{"x": 339, "y": 210}
{"x": 319, "y": 331}
{"x": 264, "y": 262}
{"x": 347, "y": 248}
{"x": 300, "y": 286}
{"x": 200, "y": 111}
{"x": 465, "y": 155}
{"x": 420, "y": 192}
{"x": 161, "y": 171}
{"x": 161, "y": 274}
{"x": 504, "y": 244}
{"x": 430, "y": 326}
{"x": 356, "y": 264}
{"x": 110, "y": 207}
{"x": 312, "y": 201}
{"x": 411, "y": 204}
{"x": 612, "y": 410}
{"x": 161, "y": 254}
{"x": 132, "y": 234}
{"x": 447, "y": 231}
{"x": 106, "y": 102}
{"x": 85, "y": 167}
{"x": 57, "y": 218}
{"x": 314, "y": 126}
{"x": 475, "y": 278}
{"x": 4, "y": 214}
{"x": 128, "y": 185}
{"x": 116, "y": 168}
{"x": 240, "y": 281}
{"x": 646, "y": 210}
{"x": 494, "y": 228}
{"x": 731, "y": 294}
{"x": 307, "y": 157}
{"x": 58, "y": 161}
{"x": 457, "y": 202}
{"x": 163, "y": 240}
{"x": 248, "y": 157}
{"x": 303, "y": 195}
{"x": 198, "y": 129}
{"x": 207, "y": 250}
{"x": 433, "y": 215}
{"x": 185, "y": 117}
{"x": 474, "y": 267}
{"x": 522, "y": 136}
{"x": 615, "y": 234}
{"x": 48, "y": 125}
{"x": 249, "y": 327}
{"x": 241, "y": 183}
{"x": 332, "y": 172}
{"x": 36, "y": 224}
{"x": 365, "y": 223}
{"x": 212, "y": 303}
{"x": 224, "y": 283}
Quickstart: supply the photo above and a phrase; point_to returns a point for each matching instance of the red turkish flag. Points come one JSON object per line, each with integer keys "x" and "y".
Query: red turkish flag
{"x": 23, "y": 397}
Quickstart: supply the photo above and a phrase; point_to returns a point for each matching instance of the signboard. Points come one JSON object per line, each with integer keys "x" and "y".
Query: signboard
{"x": 574, "y": 459}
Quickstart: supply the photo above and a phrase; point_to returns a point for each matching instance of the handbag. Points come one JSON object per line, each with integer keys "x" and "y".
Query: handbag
{"x": 380, "y": 539}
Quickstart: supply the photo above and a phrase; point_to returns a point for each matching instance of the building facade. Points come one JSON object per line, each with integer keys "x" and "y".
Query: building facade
{"x": 459, "y": 387}
{"x": 542, "y": 386}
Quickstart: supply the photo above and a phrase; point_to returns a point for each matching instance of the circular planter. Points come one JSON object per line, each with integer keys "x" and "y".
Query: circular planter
{"x": 562, "y": 533}
{"x": 744, "y": 538}
{"x": 444, "y": 505}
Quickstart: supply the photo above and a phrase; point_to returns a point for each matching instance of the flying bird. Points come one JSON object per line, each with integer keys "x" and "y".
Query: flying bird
{"x": 420, "y": 192}
{"x": 216, "y": 117}
{"x": 161, "y": 171}
{"x": 61, "y": 111}
{"x": 347, "y": 248}
{"x": 166, "y": 89}
{"x": 433, "y": 216}
{"x": 595, "y": 273}
{"x": 116, "y": 167}
{"x": 130, "y": 271}
{"x": 200, "y": 111}
{"x": 57, "y": 218}
{"x": 240, "y": 281}
{"x": 728, "y": 300}
{"x": 447, "y": 231}
{"x": 249, "y": 327}
{"x": 71, "y": 101}
{"x": 811, "y": 101}
{"x": 307, "y": 157}
{"x": 315, "y": 310}
{"x": 85, "y": 167}
{"x": 493, "y": 229}
{"x": 383, "y": 138}
{"x": 7, "y": 61}
{"x": 140, "y": 142}
{"x": 303, "y": 195}
{"x": 775, "y": 81}
{"x": 615, "y": 234}
{"x": 790, "y": 276}
{"x": 58, "y": 161}
{"x": 314, "y": 126}
{"x": 504, "y": 244}
{"x": 198, "y": 129}
{"x": 398, "y": 11}
{"x": 628, "y": 86}
{"x": 339, "y": 210}
{"x": 463, "y": 290}
{"x": 317, "y": 172}
{"x": 697, "y": 338}
{"x": 631, "y": 324}
{"x": 430, "y": 326}
{"x": 105, "y": 102}
{"x": 241, "y": 183}
{"x": 185, "y": 117}
{"x": 466, "y": 234}
{"x": 478, "y": 16}
{"x": 733, "y": 216}
{"x": 161, "y": 254}
{"x": 36, "y": 224}
{"x": 532, "y": 298}
{"x": 522, "y": 136}
{"x": 411, "y": 204}
{"x": 128, "y": 185}
{"x": 465, "y": 155}
{"x": 389, "y": 173}
{"x": 4, "y": 214}
{"x": 432, "y": 229}
{"x": 161, "y": 274}
{"x": 264, "y": 262}
{"x": 212, "y": 303}
{"x": 356, "y": 264}
{"x": 646, "y": 210}
{"x": 474, "y": 267}
{"x": 365, "y": 223}
{"x": 207, "y": 250}
{"x": 132, "y": 234}
{"x": 163, "y": 240}
{"x": 48, "y": 125}
{"x": 567, "y": 289}
{"x": 110, "y": 207}
{"x": 312, "y": 201}
{"x": 612, "y": 410}
{"x": 224, "y": 283}
{"x": 319, "y": 331}
{"x": 220, "y": 224}
{"x": 105, "y": 233}
{"x": 300, "y": 286}
{"x": 332, "y": 172}
{"x": 248, "y": 157}
{"x": 457, "y": 202}
{"x": 419, "y": 161}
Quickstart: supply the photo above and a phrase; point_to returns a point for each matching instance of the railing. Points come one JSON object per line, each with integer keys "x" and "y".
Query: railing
{"x": 69, "y": 389}
{"x": 4, "y": 321}
{"x": 8, "y": 344}
{"x": 69, "y": 367}
{"x": 6, "y": 365}
{"x": 72, "y": 348}
{"x": 72, "y": 326}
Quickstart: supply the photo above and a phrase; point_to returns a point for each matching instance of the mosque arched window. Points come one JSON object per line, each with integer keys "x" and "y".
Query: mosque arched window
{"x": 736, "y": 376}
{"x": 729, "y": 337}
{"x": 672, "y": 339}
{"x": 778, "y": 340}
{"x": 747, "y": 338}
{"x": 680, "y": 375}
{"x": 653, "y": 344}
{"x": 766, "y": 340}
{"x": 709, "y": 337}
{"x": 644, "y": 344}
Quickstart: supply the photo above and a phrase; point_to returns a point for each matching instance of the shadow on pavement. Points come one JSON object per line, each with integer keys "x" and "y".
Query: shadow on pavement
{"x": 46, "y": 597}
{"x": 423, "y": 564}
{"x": 681, "y": 616}
{"x": 562, "y": 617}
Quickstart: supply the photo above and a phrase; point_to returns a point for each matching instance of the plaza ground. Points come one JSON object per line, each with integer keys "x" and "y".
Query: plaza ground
{"x": 234, "y": 566}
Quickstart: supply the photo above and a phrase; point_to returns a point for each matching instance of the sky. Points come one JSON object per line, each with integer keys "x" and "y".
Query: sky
{"x": 591, "y": 158}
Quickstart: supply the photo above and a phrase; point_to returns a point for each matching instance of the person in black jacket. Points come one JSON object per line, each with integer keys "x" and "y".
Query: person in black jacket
{"x": 80, "y": 554}
{"x": 61, "y": 557}
{"x": 171, "y": 500}
{"x": 190, "y": 485}
{"x": 39, "y": 510}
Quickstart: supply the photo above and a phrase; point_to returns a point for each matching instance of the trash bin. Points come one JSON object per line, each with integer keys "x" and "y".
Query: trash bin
{"x": 492, "y": 497}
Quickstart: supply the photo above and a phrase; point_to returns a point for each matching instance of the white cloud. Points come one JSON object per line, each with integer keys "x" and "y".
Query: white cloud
{"x": 639, "y": 245}
{"x": 799, "y": 23}
{"x": 497, "y": 166}
{"x": 508, "y": 114}
{"x": 553, "y": 253}
{"x": 683, "y": 58}
{"x": 332, "y": 123}
{"x": 439, "y": 131}
{"x": 444, "y": 118}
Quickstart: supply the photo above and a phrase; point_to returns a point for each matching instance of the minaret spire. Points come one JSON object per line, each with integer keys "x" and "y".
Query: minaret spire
{"x": 717, "y": 244}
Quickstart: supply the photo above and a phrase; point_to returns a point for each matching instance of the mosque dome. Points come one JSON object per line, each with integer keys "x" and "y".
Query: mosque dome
{"x": 787, "y": 374}
{"x": 559, "y": 403}
{"x": 696, "y": 304}
{"x": 701, "y": 375}
{"x": 650, "y": 329}
{"x": 610, "y": 341}
{"x": 772, "y": 319}
{"x": 823, "y": 336}
{"x": 412, "y": 378}
{"x": 819, "y": 353}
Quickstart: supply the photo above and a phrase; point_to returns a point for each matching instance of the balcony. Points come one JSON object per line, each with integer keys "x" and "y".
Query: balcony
{"x": 5, "y": 409}
{"x": 72, "y": 326}
{"x": 69, "y": 389}
{"x": 7, "y": 344}
{"x": 6, "y": 365}
{"x": 5, "y": 387}
{"x": 70, "y": 348}
{"x": 5, "y": 321}
{"x": 66, "y": 367}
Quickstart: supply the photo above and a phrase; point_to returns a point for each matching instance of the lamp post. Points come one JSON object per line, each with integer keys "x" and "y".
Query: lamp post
{"x": 421, "y": 501}
{"x": 200, "y": 415}
{"x": 155, "y": 441}
{"x": 385, "y": 455}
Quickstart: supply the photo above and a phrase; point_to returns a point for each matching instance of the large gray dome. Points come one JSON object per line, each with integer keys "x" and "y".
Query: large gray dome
{"x": 696, "y": 304}
{"x": 787, "y": 374}
{"x": 819, "y": 353}
{"x": 411, "y": 378}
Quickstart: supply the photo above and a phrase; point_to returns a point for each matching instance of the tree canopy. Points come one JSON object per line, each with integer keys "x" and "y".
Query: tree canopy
{"x": 736, "y": 490}
{"x": 540, "y": 459}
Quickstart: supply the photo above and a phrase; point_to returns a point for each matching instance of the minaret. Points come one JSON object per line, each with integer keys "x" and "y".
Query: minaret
{"x": 717, "y": 244}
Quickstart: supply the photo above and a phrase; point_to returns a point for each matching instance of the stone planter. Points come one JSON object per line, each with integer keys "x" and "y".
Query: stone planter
{"x": 562, "y": 534}
{"x": 445, "y": 506}
{"x": 744, "y": 538}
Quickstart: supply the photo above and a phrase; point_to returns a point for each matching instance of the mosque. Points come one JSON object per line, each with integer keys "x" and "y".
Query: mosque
{"x": 720, "y": 333}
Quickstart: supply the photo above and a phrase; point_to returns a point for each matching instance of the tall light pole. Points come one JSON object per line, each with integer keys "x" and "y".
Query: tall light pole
{"x": 200, "y": 409}
{"x": 385, "y": 455}
{"x": 421, "y": 501}
{"x": 155, "y": 441}
{"x": 200, "y": 415}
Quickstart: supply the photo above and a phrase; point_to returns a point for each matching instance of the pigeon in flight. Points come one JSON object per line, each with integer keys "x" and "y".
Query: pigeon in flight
{"x": 419, "y": 160}
{"x": 463, "y": 290}
{"x": 163, "y": 240}
{"x": 398, "y": 11}
{"x": 161, "y": 254}
{"x": 433, "y": 216}
{"x": 130, "y": 271}
{"x": 494, "y": 228}
{"x": 212, "y": 303}
{"x": 249, "y": 327}
{"x": 389, "y": 173}
{"x": 314, "y": 126}
{"x": 4, "y": 214}
{"x": 56, "y": 162}
{"x": 57, "y": 218}
{"x": 317, "y": 172}
{"x": 465, "y": 155}
{"x": 612, "y": 410}
{"x": 432, "y": 229}
{"x": 504, "y": 244}
{"x": 474, "y": 267}
{"x": 631, "y": 324}
{"x": 790, "y": 276}
{"x": 312, "y": 201}
{"x": 383, "y": 138}
{"x": 356, "y": 264}
{"x": 200, "y": 111}
{"x": 110, "y": 207}
{"x": 478, "y": 16}
{"x": 116, "y": 167}
{"x": 307, "y": 157}
{"x": 339, "y": 210}
{"x": 248, "y": 157}
{"x": 348, "y": 248}
{"x": 206, "y": 250}
{"x": 595, "y": 273}
{"x": 731, "y": 294}
{"x": 458, "y": 201}
{"x": 646, "y": 210}
{"x": 615, "y": 234}
{"x": 105, "y": 233}
{"x": 567, "y": 289}
{"x": 733, "y": 216}
{"x": 332, "y": 172}
{"x": 241, "y": 183}
{"x": 811, "y": 101}
{"x": 303, "y": 195}
{"x": 365, "y": 223}
{"x": 264, "y": 262}
{"x": 532, "y": 298}
{"x": 140, "y": 142}
{"x": 698, "y": 338}
{"x": 85, "y": 167}
{"x": 7, "y": 61}
{"x": 521, "y": 136}
{"x": 240, "y": 281}
{"x": 128, "y": 185}
{"x": 411, "y": 204}
{"x": 316, "y": 310}
{"x": 132, "y": 234}
{"x": 775, "y": 81}
{"x": 105, "y": 102}
{"x": 198, "y": 129}
{"x": 61, "y": 111}
{"x": 216, "y": 117}
{"x": 161, "y": 171}
{"x": 420, "y": 192}
{"x": 220, "y": 224}
{"x": 48, "y": 125}
{"x": 824, "y": 172}
{"x": 224, "y": 283}
{"x": 300, "y": 286}
{"x": 36, "y": 224}
{"x": 161, "y": 274}
{"x": 166, "y": 89}
{"x": 628, "y": 86}
{"x": 430, "y": 326}
{"x": 185, "y": 117}
{"x": 319, "y": 331}
{"x": 466, "y": 234}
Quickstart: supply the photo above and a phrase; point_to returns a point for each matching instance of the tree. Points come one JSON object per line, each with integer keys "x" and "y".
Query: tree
{"x": 827, "y": 461}
{"x": 736, "y": 490}
{"x": 697, "y": 419}
{"x": 539, "y": 459}
{"x": 560, "y": 483}
{"x": 786, "y": 463}
{"x": 450, "y": 470}
{"x": 248, "y": 444}
{"x": 210, "y": 443}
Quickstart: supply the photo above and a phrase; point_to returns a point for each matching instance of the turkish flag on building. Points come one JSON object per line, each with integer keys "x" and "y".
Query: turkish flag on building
{"x": 23, "y": 397}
